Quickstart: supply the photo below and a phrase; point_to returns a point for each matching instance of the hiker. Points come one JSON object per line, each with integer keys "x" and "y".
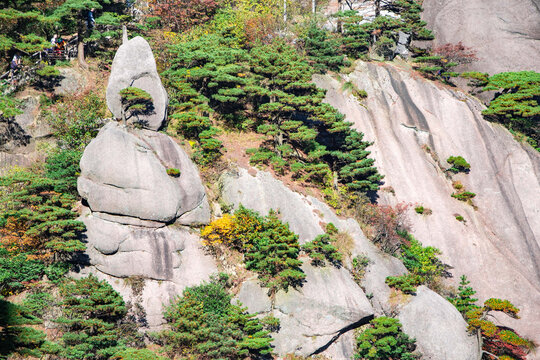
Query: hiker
{"x": 14, "y": 65}
{"x": 90, "y": 21}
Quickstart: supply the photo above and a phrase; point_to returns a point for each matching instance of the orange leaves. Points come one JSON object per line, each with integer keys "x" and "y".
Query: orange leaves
{"x": 14, "y": 238}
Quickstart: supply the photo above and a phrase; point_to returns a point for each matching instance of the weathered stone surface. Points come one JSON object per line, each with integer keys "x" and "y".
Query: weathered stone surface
{"x": 402, "y": 46}
{"x": 505, "y": 35}
{"x": 123, "y": 172}
{"x": 498, "y": 246}
{"x": 311, "y": 318}
{"x": 167, "y": 260}
{"x": 123, "y": 251}
{"x": 307, "y": 216}
{"x": 439, "y": 329}
{"x": 134, "y": 65}
{"x": 71, "y": 82}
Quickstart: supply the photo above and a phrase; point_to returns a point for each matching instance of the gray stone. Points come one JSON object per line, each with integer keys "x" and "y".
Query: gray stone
{"x": 254, "y": 297}
{"x": 498, "y": 246}
{"x": 402, "y": 46}
{"x": 134, "y": 65}
{"x": 439, "y": 329}
{"x": 504, "y": 35}
{"x": 123, "y": 172}
{"x": 71, "y": 82}
{"x": 314, "y": 316}
{"x": 123, "y": 251}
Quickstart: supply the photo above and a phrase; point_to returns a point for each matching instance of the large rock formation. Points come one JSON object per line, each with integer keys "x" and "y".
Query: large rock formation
{"x": 439, "y": 329}
{"x": 315, "y": 315}
{"x": 505, "y": 34}
{"x": 133, "y": 200}
{"x": 307, "y": 217}
{"x": 124, "y": 174}
{"x": 134, "y": 65}
{"x": 416, "y": 125}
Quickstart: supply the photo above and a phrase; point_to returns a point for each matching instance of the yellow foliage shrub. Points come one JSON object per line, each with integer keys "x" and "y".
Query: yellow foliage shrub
{"x": 219, "y": 231}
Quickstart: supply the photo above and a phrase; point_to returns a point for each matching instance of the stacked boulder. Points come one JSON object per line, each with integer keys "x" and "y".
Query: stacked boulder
{"x": 140, "y": 189}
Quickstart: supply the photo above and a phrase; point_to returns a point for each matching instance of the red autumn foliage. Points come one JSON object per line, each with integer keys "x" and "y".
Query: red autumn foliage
{"x": 383, "y": 224}
{"x": 181, "y": 15}
{"x": 497, "y": 346}
{"x": 260, "y": 28}
{"x": 457, "y": 53}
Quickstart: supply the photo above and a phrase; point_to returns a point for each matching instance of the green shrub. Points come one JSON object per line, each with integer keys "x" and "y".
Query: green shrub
{"x": 91, "y": 311}
{"x": 406, "y": 283}
{"x": 460, "y": 218}
{"x": 16, "y": 334}
{"x": 419, "y": 209}
{"x": 38, "y": 303}
{"x": 270, "y": 248}
{"x": 76, "y": 120}
{"x": 331, "y": 229}
{"x": 384, "y": 340}
{"x": 204, "y": 323}
{"x": 421, "y": 260}
{"x": 516, "y": 103}
{"x": 359, "y": 265}
{"x": 464, "y": 300}
{"x": 135, "y": 102}
{"x": 459, "y": 164}
{"x": 321, "y": 249}
{"x": 174, "y": 172}
{"x": 16, "y": 270}
{"x": 137, "y": 354}
{"x": 323, "y": 50}
{"x": 63, "y": 166}
{"x": 463, "y": 196}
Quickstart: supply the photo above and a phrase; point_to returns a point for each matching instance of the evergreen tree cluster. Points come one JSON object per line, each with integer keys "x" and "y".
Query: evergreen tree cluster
{"x": 384, "y": 339}
{"x": 204, "y": 324}
{"x": 270, "y": 248}
{"x": 267, "y": 89}
{"x": 516, "y": 104}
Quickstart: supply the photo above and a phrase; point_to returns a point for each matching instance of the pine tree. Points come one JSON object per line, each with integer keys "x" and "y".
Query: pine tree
{"x": 46, "y": 215}
{"x": 91, "y": 310}
{"x": 16, "y": 336}
{"x": 516, "y": 105}
{"x": 204, "y": 323}
{"x": 384, "y": 340}
{"x": 321, "y": 249}
{"x": 322, "y": 50}
{"x": 464, "y": 300}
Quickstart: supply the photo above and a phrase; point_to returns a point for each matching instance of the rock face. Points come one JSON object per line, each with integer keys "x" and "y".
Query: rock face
{"x": 134, "y": 65}
{"x": 497, "y": 247}
{"x": 505, "y": 35}
{"x": 18, "y": 136}
{"x": 124, "y": 173}
{"x": 439, "y": 329}
{"x": 312, "y": 317}
{"x": 307, "y": 217}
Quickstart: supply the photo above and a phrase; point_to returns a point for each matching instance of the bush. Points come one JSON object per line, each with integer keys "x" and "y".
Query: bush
{"x": 460, "y": 218}
{"x": 91, "y": 311}
{"x": 269, "y": 247}
{"x": 406, "y": 283}
{"x": 516, "y": 103}
{"x": 37, "y": 219}
{"x": 181, "y": 15}
{"x": 463, "y": 196}
{"x": 204, "y": 323}
{"x": 76, "y": 120}
{"x": 464, "y": 300}
{"x": 173, "y": 172}
{"x": 384, "y": 340}
{"x": 135, "y": 102}
{"x": 63, "y": 166}
{"x": 420, "y": 260}
{"x": 383, "y": 224}
{"x": 359, "y": 265}
{"x": 321, "y": 249}
{"x": 459, "y": 164}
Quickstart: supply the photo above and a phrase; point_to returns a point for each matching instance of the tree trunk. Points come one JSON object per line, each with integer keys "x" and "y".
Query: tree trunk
{"x": 284, "y": 11}
{"x": 339, "y": 25}
{"x": 313, "y": 6}
{"x": 377, "y": 8}
{"x": 80, "y": 45}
